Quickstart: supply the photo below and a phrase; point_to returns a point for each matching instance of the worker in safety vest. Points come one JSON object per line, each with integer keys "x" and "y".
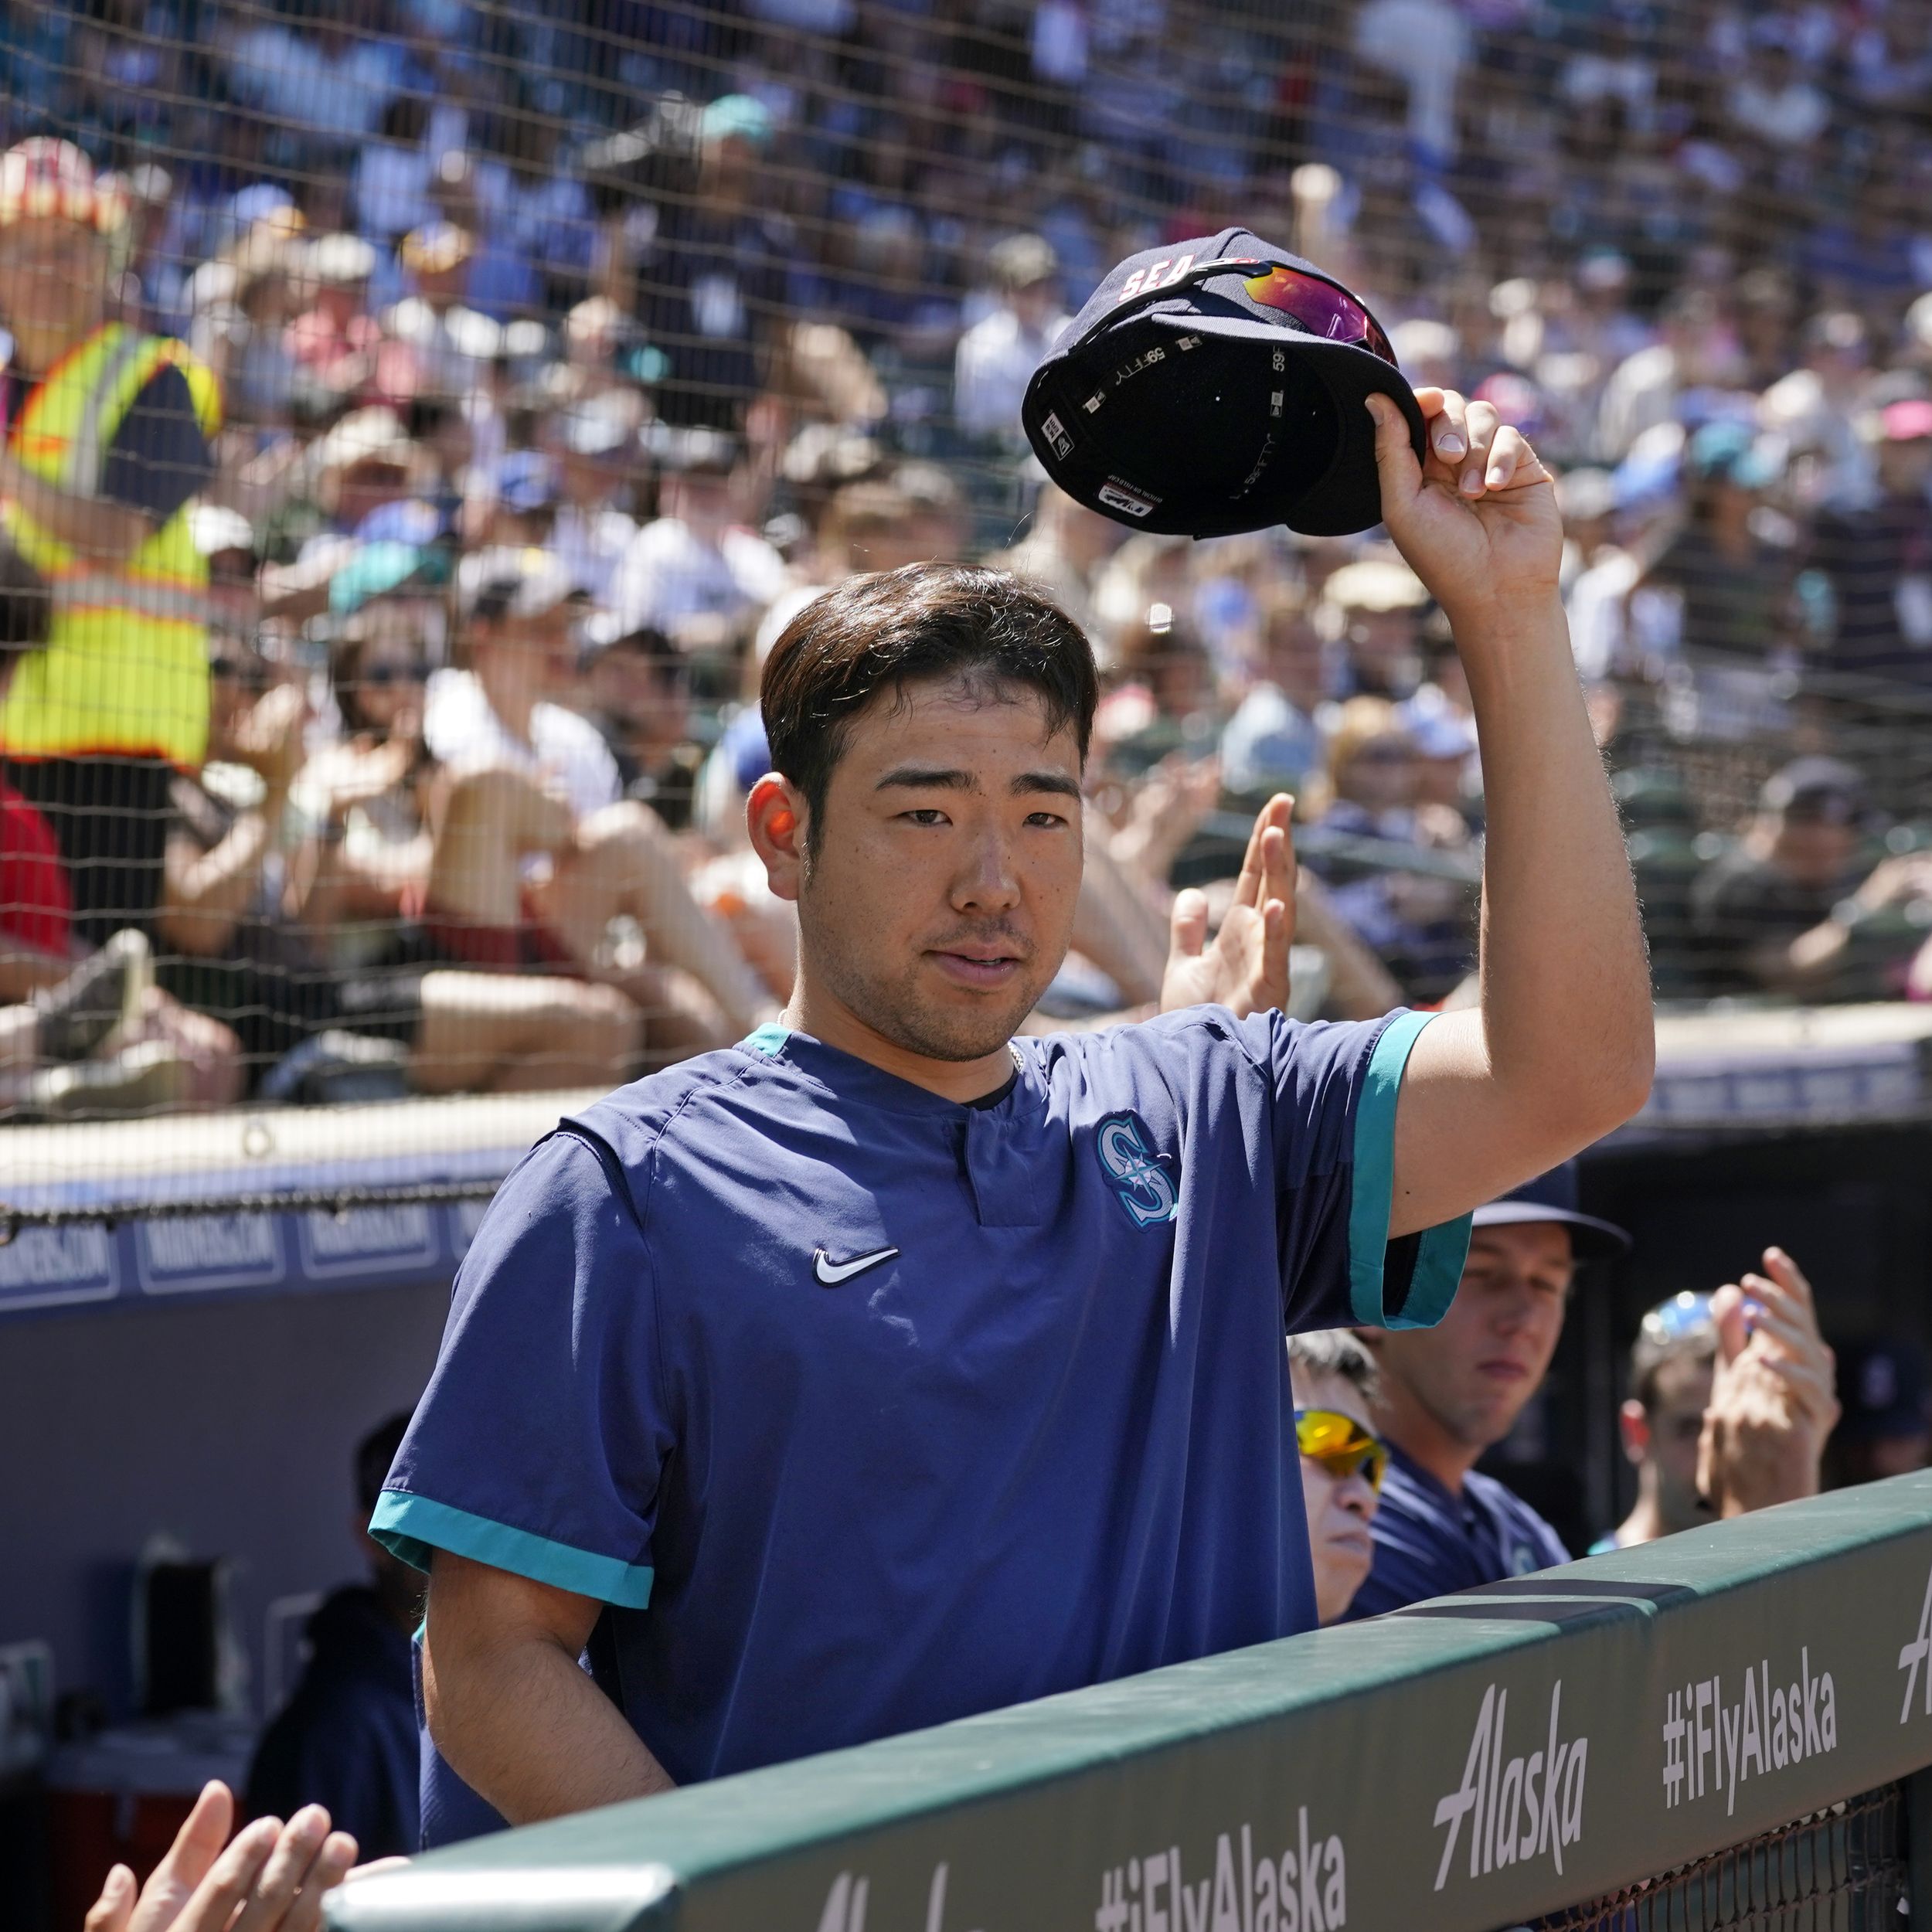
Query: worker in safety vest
{"x": 107, "y": 443}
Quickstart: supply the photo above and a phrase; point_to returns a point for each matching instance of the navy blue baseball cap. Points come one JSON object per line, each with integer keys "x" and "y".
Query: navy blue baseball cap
{"x": 1218, "y": 385}
{"x": 1553, "y": 1197}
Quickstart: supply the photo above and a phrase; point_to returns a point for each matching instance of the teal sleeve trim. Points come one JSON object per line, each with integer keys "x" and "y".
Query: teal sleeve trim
{"x": 770, "y": 1039}
{"x": 413, "y": 1528}
{"x": 1441, "y": 1252}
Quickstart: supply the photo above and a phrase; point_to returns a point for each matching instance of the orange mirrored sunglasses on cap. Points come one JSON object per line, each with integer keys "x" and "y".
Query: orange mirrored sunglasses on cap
{"x": 1341, "y": 1445}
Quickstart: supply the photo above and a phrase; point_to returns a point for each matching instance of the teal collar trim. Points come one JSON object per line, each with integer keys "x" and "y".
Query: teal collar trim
{"x": 1442, "y": 1250}
{"x": 414, "y": 1528}
{"x": 769, "y": 1039}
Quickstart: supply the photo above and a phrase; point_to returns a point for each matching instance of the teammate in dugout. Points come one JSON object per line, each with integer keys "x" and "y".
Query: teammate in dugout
{"x": 885, "y": 1368}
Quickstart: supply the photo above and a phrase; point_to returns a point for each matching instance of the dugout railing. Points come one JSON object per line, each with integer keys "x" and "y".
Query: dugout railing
{"x": 1721, "y": 1729}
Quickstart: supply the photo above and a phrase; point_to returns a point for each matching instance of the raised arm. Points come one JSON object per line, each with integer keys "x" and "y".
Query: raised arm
{"x": 1560, "y": 1049}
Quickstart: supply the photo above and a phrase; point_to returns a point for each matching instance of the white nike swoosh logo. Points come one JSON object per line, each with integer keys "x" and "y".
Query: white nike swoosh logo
{"x": 831, "y": 1273}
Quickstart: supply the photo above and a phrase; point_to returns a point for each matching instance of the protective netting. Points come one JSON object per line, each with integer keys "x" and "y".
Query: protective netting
{"x": 1843, "y": 1870}
{"x": 561, "y": 350}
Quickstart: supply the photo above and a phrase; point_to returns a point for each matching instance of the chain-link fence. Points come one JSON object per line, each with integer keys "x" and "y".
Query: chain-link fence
{"x": 426, "y": 414}
{"x": 1843, "y": 1870}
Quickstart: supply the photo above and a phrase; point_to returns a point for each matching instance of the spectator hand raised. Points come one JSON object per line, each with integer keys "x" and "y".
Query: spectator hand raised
{"x": 268, "y": 737}
{"x": 1477, "y": 521}
{"x": 1773, "y": 1400}
{"x": 372, "y": 773}
{"x": 1246, "y": 969}
{"x": 271, "y": 1879}
{"x": 1896, "y": 881}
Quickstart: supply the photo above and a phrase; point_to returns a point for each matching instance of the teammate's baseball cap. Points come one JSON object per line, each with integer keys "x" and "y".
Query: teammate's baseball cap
{"x": 1553, "y": 1197}
{"x": 43, "y": 178}
{"x": 1215, "y": 386}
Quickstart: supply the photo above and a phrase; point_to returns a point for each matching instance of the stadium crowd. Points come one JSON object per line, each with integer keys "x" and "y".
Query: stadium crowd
{"x": 536, "y": 423}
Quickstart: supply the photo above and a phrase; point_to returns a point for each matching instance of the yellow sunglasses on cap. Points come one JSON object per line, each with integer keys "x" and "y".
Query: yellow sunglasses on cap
{"x": 1341, "y": 1446}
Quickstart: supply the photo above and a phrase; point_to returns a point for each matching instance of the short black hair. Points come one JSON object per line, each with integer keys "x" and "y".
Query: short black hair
{"x": 373, "y": 1455}
{"x": 1335, "y": 1351}
{"x": 886, "y": 629}
{"x": 642, "y": 641}
{"x": 1649, "y": 1359}
{"x": 25, "y": 613}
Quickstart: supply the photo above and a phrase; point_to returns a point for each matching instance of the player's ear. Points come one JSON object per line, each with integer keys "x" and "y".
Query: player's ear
{"x": 775, "y": 819}
{"x": 1634, "y": 1426}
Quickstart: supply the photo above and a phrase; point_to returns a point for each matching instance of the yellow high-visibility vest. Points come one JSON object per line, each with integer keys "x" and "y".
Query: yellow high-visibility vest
{"x": 126, "y": 667}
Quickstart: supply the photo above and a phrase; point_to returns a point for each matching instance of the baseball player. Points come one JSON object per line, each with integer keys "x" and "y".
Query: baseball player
{"x": 885, "y": 1367}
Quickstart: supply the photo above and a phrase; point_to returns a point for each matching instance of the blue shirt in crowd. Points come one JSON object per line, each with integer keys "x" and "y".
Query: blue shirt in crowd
{"x": 860, "y": 1410}
{"x": 1429, "y": 1542}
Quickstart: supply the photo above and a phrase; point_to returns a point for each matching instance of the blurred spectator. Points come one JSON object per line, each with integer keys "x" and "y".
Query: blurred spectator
{"x": 92, "y": 724}
{"x": 74, "y": 1039}
{"x": 1662, "y": 1420}
{"x": 1278, "y": 736}
{"x": 346, "y": 1738}
{"x": 517, "y": 609}
{"x": 448, "y": 344}
{"x": 998, "y": 356}
{"x": 246, "y": 913}
{"x": 1817, "y": 407}
{"x": 1879, "y": 555}
{"x": 1599, "y": 573}
{"x": 1734, "y": 589}
{"x": 596, "y": 455}
{"x": 1342, "y": 1460}
{"x": 695, "y": 572}
{"x": 331, "y": 76}
{"x": 36, "y": 904}
{"x": 1064, "y": 550}
{"x": 1886, "y": 1426}
{"x": 333, "y": 340}
{"x": 537, "y": 854}
{"x": 1791, "y": 908}
{"x": 712, "y": 272}
{"x": 639, "y": 689}
{"x": 1413, "y": 920}
{"x": 1376, "y": 604}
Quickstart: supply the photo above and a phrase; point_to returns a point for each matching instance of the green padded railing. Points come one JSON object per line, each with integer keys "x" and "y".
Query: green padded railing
{"x": 1463, "y": 1765}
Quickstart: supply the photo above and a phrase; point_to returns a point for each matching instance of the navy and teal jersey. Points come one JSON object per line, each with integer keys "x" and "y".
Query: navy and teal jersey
{"x": 860, "y": 1410}
{"x": 1431, "y": 1542}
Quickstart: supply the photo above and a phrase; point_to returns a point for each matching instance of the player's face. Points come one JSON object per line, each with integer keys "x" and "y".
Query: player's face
{"x": 1683, "y": 1393}
{"x": 1339, "y": 1509}
{"x": 1475, "y": 1369}
{"x": 939, "y": 901}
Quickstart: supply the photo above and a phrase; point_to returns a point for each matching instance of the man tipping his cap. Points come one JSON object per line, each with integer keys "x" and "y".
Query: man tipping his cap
{"x": 1026, "y": 1297}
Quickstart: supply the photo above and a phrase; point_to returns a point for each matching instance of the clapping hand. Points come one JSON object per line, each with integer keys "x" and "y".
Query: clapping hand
{"x": 1246, "y": 969}
{"x": 1773, "y": 1396}
{"x": 271, "y": 1879}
